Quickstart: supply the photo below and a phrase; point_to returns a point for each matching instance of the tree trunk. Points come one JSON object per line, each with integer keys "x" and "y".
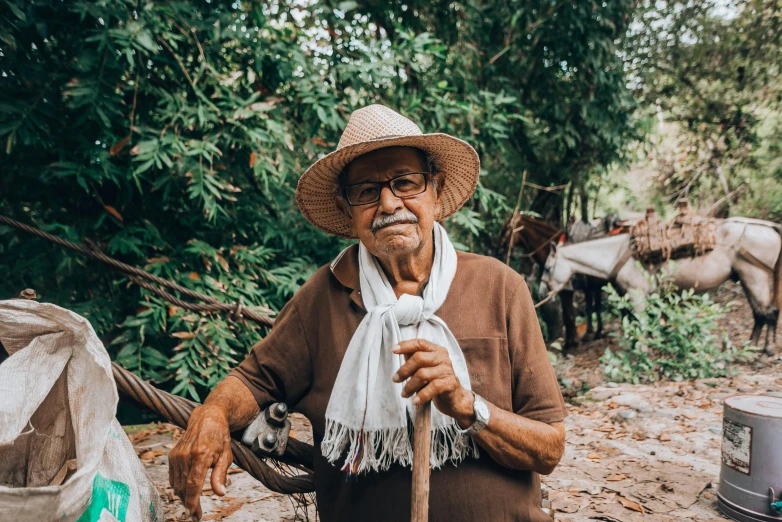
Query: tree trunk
{"x": 549, "y": 206}
{"x": 584, "y": 204}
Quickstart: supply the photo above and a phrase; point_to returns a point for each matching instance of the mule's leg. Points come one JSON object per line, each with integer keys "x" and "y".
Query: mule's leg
{"x": 551, "y": 313}
{"x": 569, "y": 318}
{"x": 771, "y": 332}
{"x": 589, "y": 296}
{"x": 599, "y": 311}
{"x": 758, "y": 287}
{"x": 754, "y": 338}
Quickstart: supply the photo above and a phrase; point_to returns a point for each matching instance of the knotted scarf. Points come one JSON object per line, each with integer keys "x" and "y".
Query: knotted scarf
{"x": 366, "y": 413}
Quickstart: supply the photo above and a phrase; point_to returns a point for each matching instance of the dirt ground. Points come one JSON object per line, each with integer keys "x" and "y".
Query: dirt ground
{"x": 634, "y": 452}
{"x": 246, "y": 499}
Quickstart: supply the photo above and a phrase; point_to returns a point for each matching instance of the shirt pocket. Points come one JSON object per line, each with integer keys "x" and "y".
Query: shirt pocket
{"x": 488, "y": 363}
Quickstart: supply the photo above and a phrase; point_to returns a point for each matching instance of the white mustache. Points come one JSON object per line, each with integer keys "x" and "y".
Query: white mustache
{"x": 390, "y": 219}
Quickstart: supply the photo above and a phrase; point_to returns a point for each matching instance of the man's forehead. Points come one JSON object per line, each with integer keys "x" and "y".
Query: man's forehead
{"x": 388, "y": 160}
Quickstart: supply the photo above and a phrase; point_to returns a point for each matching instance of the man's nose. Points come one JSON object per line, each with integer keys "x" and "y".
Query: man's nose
{"x": 389, "y": 203}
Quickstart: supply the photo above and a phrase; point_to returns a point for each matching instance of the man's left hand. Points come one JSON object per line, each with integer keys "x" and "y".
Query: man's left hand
{"x": 430, "y": 377}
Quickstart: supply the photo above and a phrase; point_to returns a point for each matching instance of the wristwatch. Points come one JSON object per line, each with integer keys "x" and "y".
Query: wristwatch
{"x": 482, "y": 415}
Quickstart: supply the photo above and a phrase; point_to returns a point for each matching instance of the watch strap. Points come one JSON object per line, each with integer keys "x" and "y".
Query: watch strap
{"x": 480, "y": 423}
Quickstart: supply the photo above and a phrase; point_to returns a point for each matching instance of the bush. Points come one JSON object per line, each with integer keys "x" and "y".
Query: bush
{"x": 172, "y": 134}
{"x": 673, "y": 336}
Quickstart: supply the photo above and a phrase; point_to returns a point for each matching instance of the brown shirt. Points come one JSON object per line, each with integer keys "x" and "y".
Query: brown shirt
{"x": 490, "y": 312}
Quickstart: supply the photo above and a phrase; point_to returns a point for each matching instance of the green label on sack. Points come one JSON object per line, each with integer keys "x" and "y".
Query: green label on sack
{"x": 110, "y": 495}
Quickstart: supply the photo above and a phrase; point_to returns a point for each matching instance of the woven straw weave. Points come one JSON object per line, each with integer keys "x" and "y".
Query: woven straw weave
{"x": 375, "y": 127}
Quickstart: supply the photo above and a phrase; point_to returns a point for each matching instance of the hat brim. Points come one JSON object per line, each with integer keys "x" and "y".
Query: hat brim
{"x": 316, "y": 192}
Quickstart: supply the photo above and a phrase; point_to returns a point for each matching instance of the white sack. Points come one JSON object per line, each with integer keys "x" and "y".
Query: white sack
{"x": 58, "y": 402}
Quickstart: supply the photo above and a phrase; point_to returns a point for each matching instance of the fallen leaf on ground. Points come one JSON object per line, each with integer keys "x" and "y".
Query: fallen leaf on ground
{"x": 594, "y": 456}
{"x": 629, "y": 504}
{"x": 227, "y": 510}
{"x": 617, "y": 478}
{"x": 150, "y": 454}
{"x": 664, "y": 437}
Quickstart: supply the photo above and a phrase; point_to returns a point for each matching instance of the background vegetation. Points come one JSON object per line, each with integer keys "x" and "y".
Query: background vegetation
{"x": 673, "y": 338}
{"x": 172, "y": 134}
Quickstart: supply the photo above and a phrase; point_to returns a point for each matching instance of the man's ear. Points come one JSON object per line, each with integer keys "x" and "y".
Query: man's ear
{"x": 344, "y": 208}
{"x": 439, "y": 179}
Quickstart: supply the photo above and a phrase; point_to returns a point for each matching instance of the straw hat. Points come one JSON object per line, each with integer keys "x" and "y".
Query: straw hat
{"x": 375, "y": 127}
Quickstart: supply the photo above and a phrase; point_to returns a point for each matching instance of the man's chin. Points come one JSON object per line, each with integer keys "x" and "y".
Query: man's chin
{"x": 397, "y": 239}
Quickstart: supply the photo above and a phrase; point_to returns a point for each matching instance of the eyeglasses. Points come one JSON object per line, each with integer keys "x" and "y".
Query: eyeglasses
{"x": 404, "y": 186}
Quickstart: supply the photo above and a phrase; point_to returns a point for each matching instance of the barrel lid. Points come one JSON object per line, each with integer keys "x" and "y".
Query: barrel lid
{"x": 756, "y": 404}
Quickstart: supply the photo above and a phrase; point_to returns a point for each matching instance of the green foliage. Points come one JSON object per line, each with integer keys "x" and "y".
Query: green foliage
{"x": 708, "y": 83}
{"x": 673, "y": 337}
{"x": 172, "y": 134}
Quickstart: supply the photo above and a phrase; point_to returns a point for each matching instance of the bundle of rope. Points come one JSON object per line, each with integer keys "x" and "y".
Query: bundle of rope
{"x": 177, "y": 410}
{"x": 274, "y": 473}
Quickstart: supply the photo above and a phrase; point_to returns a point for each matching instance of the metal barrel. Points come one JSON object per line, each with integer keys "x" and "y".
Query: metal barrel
{"x": 750, "y": 488}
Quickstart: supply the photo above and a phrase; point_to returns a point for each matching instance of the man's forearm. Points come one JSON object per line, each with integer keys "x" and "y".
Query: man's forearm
{"x": 237, "y": 402}
{"x": 520, "y": 443}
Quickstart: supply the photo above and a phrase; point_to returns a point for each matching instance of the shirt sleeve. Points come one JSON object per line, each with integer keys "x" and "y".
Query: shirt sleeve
{"x": 536, "y": 393}
{"x": 279, "y": 367}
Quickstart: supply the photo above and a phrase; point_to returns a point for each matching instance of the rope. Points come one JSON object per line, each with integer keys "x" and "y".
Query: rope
{"x": 136, "y": 275}
{"x": 547, "y": 189}
{"x": 177, "y": 410}
{"x": 544, "y": 244}
{"x": 550, "y": 295}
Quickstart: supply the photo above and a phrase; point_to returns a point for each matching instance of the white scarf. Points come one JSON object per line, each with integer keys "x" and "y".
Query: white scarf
{"x": 366, "y": 412}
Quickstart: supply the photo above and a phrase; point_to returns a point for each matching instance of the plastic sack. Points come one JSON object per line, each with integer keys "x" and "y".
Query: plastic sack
{"x": 63, "y": 455}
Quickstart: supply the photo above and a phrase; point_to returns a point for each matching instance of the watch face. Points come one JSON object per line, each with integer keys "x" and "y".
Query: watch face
{"x": 481, "y": 410}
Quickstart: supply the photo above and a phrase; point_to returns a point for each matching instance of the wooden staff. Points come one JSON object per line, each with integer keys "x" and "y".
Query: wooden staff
{"x": 422, "y": 443}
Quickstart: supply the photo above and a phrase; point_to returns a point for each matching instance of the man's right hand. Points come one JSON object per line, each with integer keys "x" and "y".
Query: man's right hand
{"x": 206, "y": 444}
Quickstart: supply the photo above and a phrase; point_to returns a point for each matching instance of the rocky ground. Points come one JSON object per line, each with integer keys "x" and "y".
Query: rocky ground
{"x": 634, "y": 452}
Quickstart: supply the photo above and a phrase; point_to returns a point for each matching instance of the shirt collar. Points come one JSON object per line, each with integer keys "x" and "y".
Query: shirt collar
{"x": 346, "y": 271}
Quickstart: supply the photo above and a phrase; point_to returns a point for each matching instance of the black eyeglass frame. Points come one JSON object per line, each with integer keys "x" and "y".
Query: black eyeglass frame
{"x": 386, "y": 183}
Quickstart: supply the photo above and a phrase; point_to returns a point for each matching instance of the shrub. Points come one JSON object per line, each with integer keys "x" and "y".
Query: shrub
{"x": 672, "y": 335}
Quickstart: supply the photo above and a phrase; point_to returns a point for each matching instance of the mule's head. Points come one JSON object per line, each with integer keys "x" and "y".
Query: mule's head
{"x": 557, "y": 273}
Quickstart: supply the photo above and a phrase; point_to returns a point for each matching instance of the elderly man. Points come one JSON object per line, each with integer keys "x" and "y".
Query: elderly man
{"x": 397, "y": 320}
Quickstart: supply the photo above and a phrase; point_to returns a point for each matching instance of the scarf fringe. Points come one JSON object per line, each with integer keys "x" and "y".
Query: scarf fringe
{"x": 376, "y": 450}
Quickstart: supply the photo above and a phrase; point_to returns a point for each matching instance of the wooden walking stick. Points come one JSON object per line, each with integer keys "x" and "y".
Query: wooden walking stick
{"x": 422, "y": 442}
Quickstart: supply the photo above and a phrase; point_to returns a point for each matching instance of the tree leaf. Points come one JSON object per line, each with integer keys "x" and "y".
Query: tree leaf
{"x": 113, "y": 211}
{"x": 117, "y": 147}
{"x": 144, "y": 38}
{"x": 17, "y": 12}
{"x": 183, "y": 335}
